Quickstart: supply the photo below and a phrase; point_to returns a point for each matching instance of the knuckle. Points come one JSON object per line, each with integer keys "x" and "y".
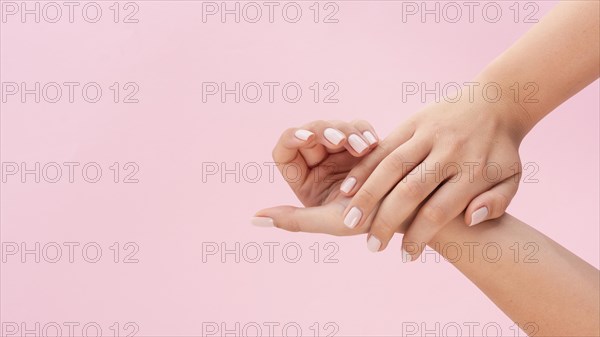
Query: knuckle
{"x": 412, "y": 189}
{"x": 365, "y": 198}
{"x": 434, "y": 214}
{"x": 396, "y": 161}
{"x": 289, "y": 132}
{"x": 383, "y": 226}
{"x": 292, "y": 224}
{"x": 458, "y": 144}
{"x": 361, "y": 173}
{"x": 479, "y": 170}
{"x": 360, "y": 123}
{"x": 382, "y": 150}
{"x": 316, "y": 125}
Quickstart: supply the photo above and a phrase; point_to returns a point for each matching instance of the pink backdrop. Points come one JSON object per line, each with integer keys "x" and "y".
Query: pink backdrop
{"x": 169, "y": 233}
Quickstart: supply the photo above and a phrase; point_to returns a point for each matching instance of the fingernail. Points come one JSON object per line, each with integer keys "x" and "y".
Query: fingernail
{"x": 352, "y": 217}
{"x": 357, "y": 143}
{"x": 406, "y": 257}
{"x": 347, "y": 185}
{"x": 261, "y": 221}
{"x": 303, "y": 134}
{"x": 373, "y": 244}
{"x": 370, "y": 137}
{"x": 334, "y": 136}
{"x": 479, "y": 216}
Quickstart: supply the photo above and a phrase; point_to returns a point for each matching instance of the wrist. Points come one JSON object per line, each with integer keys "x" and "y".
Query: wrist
{"x": 516, "y": 103}
{"x": 501, "y": 102}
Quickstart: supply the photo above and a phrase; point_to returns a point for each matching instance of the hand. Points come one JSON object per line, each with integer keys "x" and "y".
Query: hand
{"x": 447, "y": 158}
{"x": 315, "y": 167}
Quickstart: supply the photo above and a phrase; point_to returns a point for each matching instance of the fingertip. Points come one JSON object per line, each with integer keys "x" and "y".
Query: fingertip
{"x": 406, "y": 256}
{"x": 264, "y": 218}
{"x": 262, "y": 221}
{"x": 475, "y": 204}
{"x": 303, "y": 134}
{"x": 480, "y": 215}
{"x": 334, "y": 136}
{"x": 353, "y": 217}
{"x": 358, "y": 144}
{"x": 371, "y": 138}
{"x": 467, "y": 218}
{"x": 347, "y": 185}
{"x": 468, "y": 214}
{"x": 410, "y": 251}
{"x": 374, "y": 244}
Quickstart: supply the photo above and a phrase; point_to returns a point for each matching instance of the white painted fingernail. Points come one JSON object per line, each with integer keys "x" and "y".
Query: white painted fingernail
{"x": 261, "y": 221}
{"x": 347, "y": 185}
{"x": 370, "y": 137}
{"x": 357, "y": 143}
{"x": 406, "y": 257}
{"x": 353, "y": 217}
{"x": 479, "y": 216}
{"x": 373, "y": 244}
{"x": 334, "y": 136}
{"x": 303, "y": 134}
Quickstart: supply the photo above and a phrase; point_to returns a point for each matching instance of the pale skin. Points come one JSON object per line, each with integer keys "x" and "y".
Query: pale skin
{"x": 553, "y": 293}
{"x": 463, "y": 156}
{"x": 558, "y": 295}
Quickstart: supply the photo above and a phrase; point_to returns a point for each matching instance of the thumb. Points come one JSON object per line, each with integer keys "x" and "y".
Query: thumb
{"x": 492, "y": 203}
{"x": 321, "y": 219}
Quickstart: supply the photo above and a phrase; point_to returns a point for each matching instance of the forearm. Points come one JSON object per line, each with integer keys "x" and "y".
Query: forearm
{"x": 543, "y": 283}
{"x": 559, "y": 56}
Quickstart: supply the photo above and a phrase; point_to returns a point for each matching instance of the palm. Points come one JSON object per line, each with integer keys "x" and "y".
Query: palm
{"x": 322, "y": 182}
{"x": 320, "y": 193}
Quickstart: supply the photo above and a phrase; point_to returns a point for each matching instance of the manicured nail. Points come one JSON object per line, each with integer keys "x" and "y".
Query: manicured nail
{"x": 334, "y": 136}
{"x": 347, "y": 185}
{"x": 370, "y": 137}
{"x": 406, "y": 257}
{"x": 479, "y": 216}
{"x": 353, "y": 217}
{"x": 261, "y": 221}
{"x": 303, "y": 134}
{"x": 357, "y": 143}
{"x": 373, "y": 244}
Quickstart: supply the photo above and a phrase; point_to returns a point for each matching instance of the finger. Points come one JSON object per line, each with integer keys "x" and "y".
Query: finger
{"x": 289, "y": 161}
{"x": 492, "y": 203}
{"x": 299, "y": 149}
{"x": 320, "y": 219}
{"x": 317, "y": 151}
{"x": 385, "y": 176}
{"x": 359, "y": 174}
{"x": 445, "y": 204}
{"x": 400, "y": 203}
{"x": 332, "y": 137}
{"x": 367, "y": 131}
{"x": 354, "y": 142}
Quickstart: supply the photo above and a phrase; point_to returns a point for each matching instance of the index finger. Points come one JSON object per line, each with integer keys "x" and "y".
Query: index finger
{"x": 359, "y": 174}
{"x": 288, "y": 158}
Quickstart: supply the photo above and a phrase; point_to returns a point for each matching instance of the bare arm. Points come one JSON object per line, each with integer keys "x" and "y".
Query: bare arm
{"x": 560, "y": 293}
{"x": 554, "y": 60}
{"x": 553, "y": 289}
{"x": 560, "y": 55}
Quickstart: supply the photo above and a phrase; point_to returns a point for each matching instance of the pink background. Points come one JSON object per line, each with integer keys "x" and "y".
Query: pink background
{"x": 170, "y": 133}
